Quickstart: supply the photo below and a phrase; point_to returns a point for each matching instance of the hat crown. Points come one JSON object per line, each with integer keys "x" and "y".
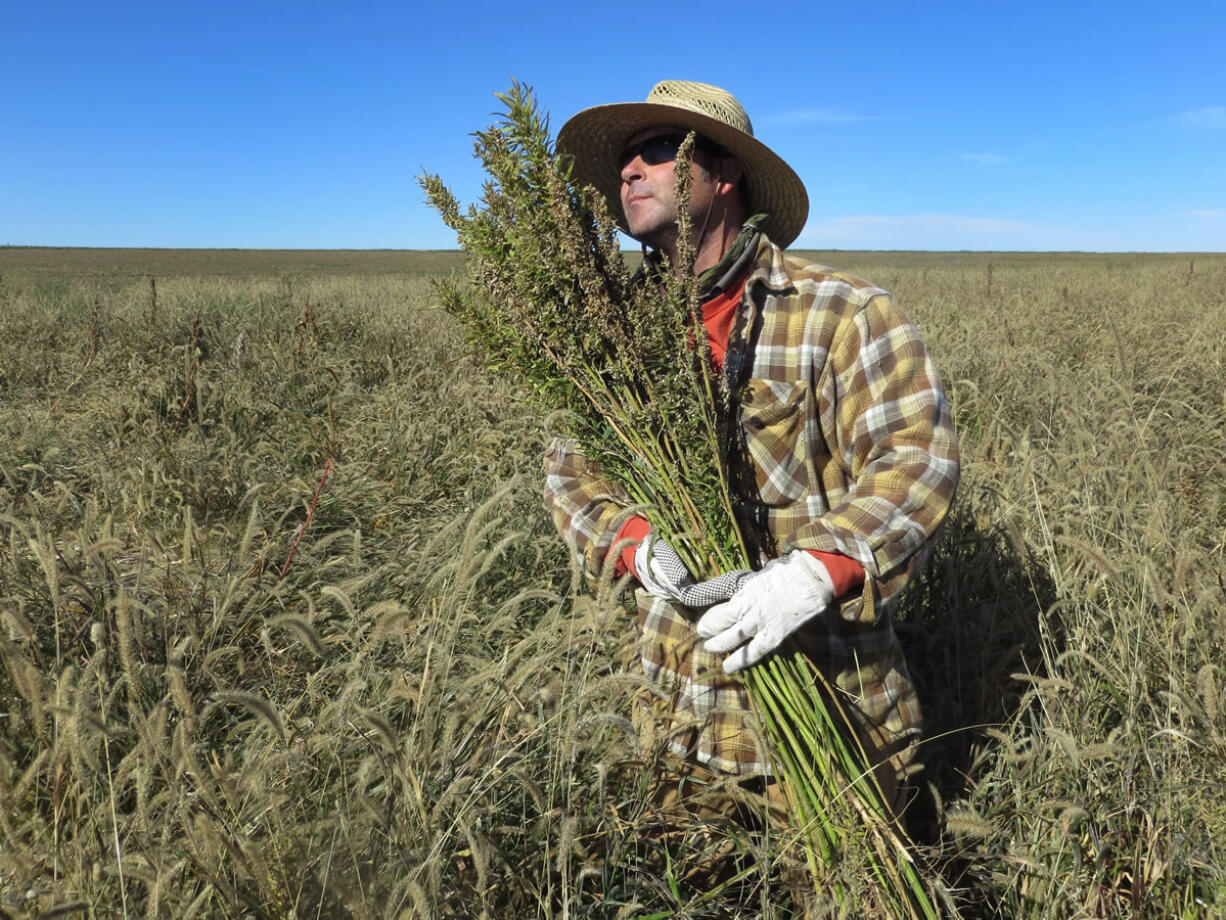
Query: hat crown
{"x": 704, "y": 99}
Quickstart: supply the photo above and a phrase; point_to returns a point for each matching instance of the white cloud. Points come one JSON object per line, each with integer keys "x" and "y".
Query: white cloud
{"x": 929, "y": 222}
{"x": 1213, "y": 116}
{"x": 923, "y": 231}
{"x": 812, "y": 117}
{"x": 986, "y": 160}
{"x": 1171, "y": 232}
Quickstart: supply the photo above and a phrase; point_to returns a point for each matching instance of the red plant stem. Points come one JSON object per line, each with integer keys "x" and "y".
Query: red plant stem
{"x": 307, "y": 523}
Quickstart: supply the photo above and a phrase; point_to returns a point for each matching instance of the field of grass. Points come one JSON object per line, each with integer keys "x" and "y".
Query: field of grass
{"x": 410, "y": 708}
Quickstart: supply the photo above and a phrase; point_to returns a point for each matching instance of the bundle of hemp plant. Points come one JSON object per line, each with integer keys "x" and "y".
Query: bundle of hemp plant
{"x": 556, "y": 311}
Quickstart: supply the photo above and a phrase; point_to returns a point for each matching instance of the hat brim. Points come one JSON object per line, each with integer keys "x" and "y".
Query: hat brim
{"x": 596, "y": 137}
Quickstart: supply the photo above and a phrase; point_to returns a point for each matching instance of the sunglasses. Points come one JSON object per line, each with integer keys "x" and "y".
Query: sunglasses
{"x": 662, "y": 149}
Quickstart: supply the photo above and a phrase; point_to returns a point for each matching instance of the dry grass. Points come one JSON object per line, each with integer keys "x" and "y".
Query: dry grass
{"x": 128, "y": 264}
{"x": 426, "y": 717}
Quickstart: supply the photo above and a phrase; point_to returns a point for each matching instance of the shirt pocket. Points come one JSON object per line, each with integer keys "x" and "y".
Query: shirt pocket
{"x": 773, "y": 421}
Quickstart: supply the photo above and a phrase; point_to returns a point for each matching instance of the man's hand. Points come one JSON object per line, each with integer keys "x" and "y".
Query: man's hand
{"x": 660, "y": 570}
{"x": 662, "y": 573}
{"x": 770, "y": 606}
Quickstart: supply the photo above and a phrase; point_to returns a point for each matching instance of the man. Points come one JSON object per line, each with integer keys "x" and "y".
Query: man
{"x": 847, "y": 458}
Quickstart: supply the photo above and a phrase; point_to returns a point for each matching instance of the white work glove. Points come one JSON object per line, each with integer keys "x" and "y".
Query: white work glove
{"x": 662, "y": 573}
{"x": 659, "y": 569}
{"x": 770, "y": 605}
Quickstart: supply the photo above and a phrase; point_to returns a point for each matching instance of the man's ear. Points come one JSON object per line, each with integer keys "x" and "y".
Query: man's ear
{"x": 730, "y": 172}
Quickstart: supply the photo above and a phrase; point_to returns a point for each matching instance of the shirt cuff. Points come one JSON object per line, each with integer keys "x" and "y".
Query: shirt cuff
{"x": 846, "y": 574}
{"x": 636, "y": 530}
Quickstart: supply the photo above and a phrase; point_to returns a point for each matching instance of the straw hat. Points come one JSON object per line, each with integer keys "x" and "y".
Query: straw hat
{"x": 596, "y": 137}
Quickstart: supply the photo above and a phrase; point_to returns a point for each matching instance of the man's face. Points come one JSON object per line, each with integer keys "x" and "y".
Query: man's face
{"x": 648, "y": 191}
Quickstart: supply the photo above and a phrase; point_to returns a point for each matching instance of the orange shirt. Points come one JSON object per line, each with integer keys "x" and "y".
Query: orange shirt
{"x": 717, "y": 315}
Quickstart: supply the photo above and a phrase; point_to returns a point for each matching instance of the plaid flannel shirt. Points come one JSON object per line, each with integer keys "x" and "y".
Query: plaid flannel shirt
{"x": 847, "y": 445}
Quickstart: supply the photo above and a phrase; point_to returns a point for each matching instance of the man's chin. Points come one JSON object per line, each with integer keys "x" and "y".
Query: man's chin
{"x": 655, "y": 237}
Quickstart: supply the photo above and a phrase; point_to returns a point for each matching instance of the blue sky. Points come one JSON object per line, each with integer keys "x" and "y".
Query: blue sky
{"x": 1033, "y": 126}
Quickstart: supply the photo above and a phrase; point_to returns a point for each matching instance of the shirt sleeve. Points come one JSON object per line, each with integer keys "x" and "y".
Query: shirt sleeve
{"x": 894, "y": 435}
{"x": 846, "y": 574}
{"x": 633, "y": 532}
{"x": 587, "y": 508}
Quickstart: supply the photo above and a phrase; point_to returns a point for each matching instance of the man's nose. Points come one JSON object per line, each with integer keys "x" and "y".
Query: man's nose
{"x": 633, "y": 169}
